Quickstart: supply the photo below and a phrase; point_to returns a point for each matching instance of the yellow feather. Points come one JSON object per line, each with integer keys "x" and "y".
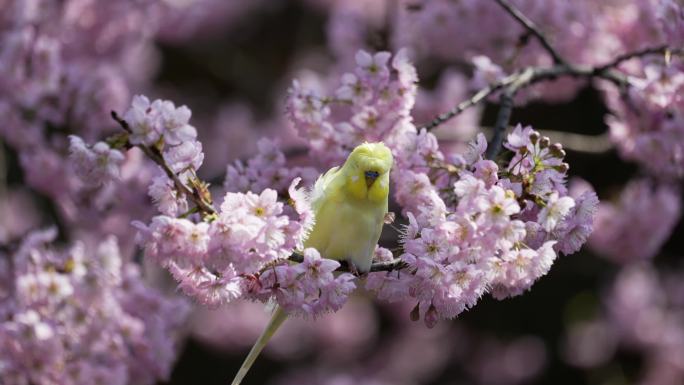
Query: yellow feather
{"x": 349, "y": 203}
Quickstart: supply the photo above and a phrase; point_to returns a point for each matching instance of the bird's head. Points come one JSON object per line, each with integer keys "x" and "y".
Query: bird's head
{"x": 367, "y": 171}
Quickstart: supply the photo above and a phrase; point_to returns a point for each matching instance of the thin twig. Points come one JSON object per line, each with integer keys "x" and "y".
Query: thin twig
{"x": 395, "y": 264}
{"x": 659, "y": 50}
{"x": 475, "y": 99}
{"x": 156, "y": 156}
{"x": 532, "y": 29}
{"x": 591, "y": 144}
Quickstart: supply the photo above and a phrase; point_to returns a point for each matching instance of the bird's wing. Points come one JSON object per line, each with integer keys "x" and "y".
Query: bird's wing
{"x": 317, "y": 194}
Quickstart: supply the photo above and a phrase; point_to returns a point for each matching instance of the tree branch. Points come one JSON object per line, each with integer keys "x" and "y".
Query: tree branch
{"x": 156, "y": 156}
{"x": 531, "y": 75}
{"x": 505, "y": 110}
{"x": 532, "y": 29}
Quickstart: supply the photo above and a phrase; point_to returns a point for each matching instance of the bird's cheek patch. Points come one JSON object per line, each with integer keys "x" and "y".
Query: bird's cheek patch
{"x": 380, "y": 189}
{"x": 357, "y": 187}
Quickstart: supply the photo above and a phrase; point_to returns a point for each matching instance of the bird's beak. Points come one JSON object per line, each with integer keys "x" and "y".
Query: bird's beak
{"x": 371, "y": 176}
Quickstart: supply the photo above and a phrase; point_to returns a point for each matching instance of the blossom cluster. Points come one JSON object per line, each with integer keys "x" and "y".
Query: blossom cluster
{"x": 267, "y": 169}
{"x": 65, "y": 66}
{"x": 475, "y": 225}
{"x": 73, "y": 77}
{"x": 369, "y": 104}
{"x": 95, "y": 165}
{"x": 243, "y": 254}
{"x": 478, "y": 229}
{"x": 586, "y": 31}
{"x": 82, "y": 316}
{"x": 227, "y": 258}
{"x": 238, "y": 251}
{"x": 648, "y": 124}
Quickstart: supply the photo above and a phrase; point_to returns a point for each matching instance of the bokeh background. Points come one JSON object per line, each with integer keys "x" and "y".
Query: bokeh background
{"x": 232, "y": 62}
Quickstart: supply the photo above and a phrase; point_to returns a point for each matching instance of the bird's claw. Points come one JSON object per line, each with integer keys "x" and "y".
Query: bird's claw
{"x": 389, "y": 218}
{"x": 353, "y": 269}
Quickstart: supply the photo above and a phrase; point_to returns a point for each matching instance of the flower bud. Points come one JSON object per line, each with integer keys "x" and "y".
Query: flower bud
{"x": 557, "y": 151}
{"x": 563, "y": 167}
{"x": 431, "y": 317}
{"x": 534, "y": 137}
{"x": 544, "y": 142}
{"x": 415, "y": 313}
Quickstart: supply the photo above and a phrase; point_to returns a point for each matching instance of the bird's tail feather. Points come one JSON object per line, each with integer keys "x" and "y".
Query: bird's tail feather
{"x": 277, "y": 319}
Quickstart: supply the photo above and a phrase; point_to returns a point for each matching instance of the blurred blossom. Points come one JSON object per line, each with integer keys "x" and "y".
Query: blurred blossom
{"x": 636, "y": 226}
{"x": 512, "y": 362}
{"x": 341, "y": 336}
{"x": 95, "y": 165}
{"x": 648, "y": 122}
{"x": 671, "y": 17}
{"x": 18, "y": 214}
{"x": 413, "y": 355}
{"x": 78, "y": 316}
{"x": 590, "y": 344}
{"x": 65, "y": 66}
{"x": 451, "y": 88}
{"x": 642, "y": 313}
{"x": 81, "y": 311}
{"x": 196, "y": 20}
{"x": 483, "y": 29}
{"x": 354, "y": 25}
{"x": 234, "y": 133}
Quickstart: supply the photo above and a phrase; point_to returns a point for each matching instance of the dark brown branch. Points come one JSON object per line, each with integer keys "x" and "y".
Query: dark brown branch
{"x": 505, "y": 110}
{"x": 532, "y": 29}
{"x": 395, "y": 264}
{"x": 156, "y": 156}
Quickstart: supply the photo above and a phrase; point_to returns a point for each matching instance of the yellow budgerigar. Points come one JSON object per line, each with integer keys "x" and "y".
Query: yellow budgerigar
{"x": 350, "y": 204}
